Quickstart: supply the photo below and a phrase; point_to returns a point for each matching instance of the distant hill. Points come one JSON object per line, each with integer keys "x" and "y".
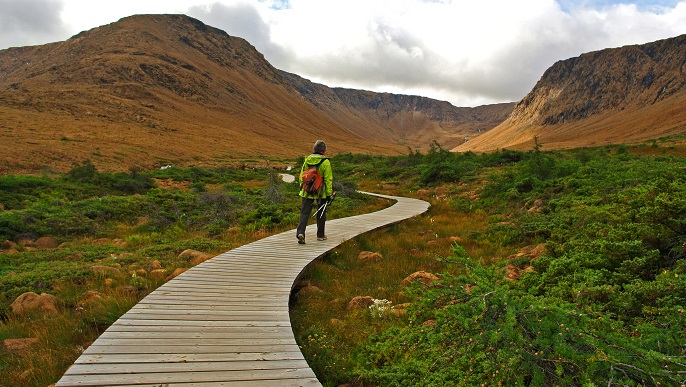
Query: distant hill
{"x": 621, "y": 95}
{"x": 407, "y": 120}
{"x": 151, "y": 90}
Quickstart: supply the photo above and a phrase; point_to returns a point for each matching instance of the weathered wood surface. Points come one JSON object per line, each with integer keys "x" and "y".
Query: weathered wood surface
{"x": 224, "y": 322}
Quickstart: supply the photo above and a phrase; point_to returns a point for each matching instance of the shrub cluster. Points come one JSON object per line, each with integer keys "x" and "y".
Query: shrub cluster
{"x": 603, "y": 306}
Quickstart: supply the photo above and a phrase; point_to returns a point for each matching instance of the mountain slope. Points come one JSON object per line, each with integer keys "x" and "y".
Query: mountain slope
{"x": 620, "y": 95}
{"x": 149, "y": 90}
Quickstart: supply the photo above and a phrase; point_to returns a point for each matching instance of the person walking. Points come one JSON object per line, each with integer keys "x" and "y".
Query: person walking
{"x": 323, "y": 164}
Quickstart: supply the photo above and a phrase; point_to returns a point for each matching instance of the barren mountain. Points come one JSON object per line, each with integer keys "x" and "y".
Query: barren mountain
{"x": 151, "y": 90}
{"x": 407, "y": 120}
{"x": 621, "y": 95}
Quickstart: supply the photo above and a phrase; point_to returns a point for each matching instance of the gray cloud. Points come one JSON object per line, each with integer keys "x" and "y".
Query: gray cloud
{"x": 396, "y": 57}
{"x": 243, "y": 21}
{"x": 29, "y": 22}
{"x": 466, "y": 52}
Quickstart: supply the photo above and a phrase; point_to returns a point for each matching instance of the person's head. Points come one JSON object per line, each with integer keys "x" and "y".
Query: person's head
{"x": 319, "y": 147}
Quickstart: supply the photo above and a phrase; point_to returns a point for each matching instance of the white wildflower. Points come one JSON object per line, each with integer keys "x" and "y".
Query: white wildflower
{"x": 380, "y": 308}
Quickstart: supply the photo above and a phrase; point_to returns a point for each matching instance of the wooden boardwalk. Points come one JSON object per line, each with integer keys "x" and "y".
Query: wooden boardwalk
{"x": 224, "y": 322}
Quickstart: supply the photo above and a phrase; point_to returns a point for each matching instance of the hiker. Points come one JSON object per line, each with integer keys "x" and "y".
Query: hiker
{"x": 321, "y": 195}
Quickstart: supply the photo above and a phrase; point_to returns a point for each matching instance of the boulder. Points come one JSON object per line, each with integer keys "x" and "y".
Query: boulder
{"x": 158, "y": 272}
{"x": 427, "y": 233}
{"x": 309, "y": 289}
{"x": 101, "y": 242}
{"x": 512, "y": 272}
{"x": 176, "y": 272}
{"x": 537, "y": 251}
{"x": 195, "y": 257}
{"x": 366, "y": 256}
{"x": 155, "y": 265}
{"x": 30, "y": 302}
{"x": 360, "y": 302}
{"x": 7, "y": 245}
{"x": 26, "y": 242}
{"x": 104, "y": 270}
{"x": 46, "y": 243}
{"x": 531, "y": 252}
{"x": 421, "y": 276}
{"x": 537, "y": 206}
{"x": 120, "y": 243}
{"x": 18, "y": 345}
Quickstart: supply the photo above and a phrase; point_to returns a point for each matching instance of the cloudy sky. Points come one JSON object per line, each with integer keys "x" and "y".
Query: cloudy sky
{"x": 467, "y": 52}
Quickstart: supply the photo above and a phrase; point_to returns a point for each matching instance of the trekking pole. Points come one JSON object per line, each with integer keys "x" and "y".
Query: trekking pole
{"x": 323, "y": 207}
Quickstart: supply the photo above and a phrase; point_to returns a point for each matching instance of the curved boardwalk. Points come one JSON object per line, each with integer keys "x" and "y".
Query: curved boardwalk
{"x": 225, "y": 321}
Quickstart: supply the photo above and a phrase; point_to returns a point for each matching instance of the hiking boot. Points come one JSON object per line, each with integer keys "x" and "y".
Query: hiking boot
{"x": 301, "y": 239}
{"x": 322, "y": 238}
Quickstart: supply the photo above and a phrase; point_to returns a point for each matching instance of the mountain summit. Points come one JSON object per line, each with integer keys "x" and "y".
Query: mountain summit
{"x": 620, "y": 95}
{"x": 150, "y": 90}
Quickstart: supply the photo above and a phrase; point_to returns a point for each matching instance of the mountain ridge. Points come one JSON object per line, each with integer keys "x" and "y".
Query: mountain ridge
{"x": 416, "y": 119}
{"x": 152, "y": 90}
{"x": 627, "y": 94}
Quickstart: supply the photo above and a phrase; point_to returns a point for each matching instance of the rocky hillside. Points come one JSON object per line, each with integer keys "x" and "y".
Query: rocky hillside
{"x": 620, "y": 95}
{"x": 151, "y": 90}
{"x": 407, "y": 120}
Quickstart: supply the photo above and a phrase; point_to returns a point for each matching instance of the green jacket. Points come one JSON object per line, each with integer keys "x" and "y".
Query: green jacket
{"x": 324, "y": 170}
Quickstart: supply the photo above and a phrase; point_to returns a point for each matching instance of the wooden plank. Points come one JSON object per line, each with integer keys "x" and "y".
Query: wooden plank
{"x": 114, "y": 368}
{"x": 193, "y": 328}
{"x": 169, "y": 292}
{"x": 195, "y": 342}
{"x": 247, "y": 317}
{"x": 218, "y": 302}
{"x": 98, "y": 349}
{"x": 125, "y": 320}
{"x": 129, "y": 358}
{"x": 302, "y": 382}
{"x": 190, "y": 335}
{"x": 181, "y": 377}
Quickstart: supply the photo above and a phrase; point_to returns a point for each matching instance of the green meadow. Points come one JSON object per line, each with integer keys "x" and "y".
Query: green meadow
{"x": 549, "y": 268}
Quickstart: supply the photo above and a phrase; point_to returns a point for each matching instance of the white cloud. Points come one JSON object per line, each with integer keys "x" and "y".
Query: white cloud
{"x": 468, "y": 52}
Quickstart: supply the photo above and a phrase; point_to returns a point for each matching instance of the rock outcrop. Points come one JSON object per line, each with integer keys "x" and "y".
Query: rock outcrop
{"x": 618, "y": 95}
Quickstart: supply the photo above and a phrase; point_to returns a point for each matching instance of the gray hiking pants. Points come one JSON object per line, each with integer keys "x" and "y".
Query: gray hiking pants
{"x": 306, "y": 210}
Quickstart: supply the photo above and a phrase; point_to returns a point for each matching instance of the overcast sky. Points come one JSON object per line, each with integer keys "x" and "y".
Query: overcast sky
{"x": 467, "y": 52}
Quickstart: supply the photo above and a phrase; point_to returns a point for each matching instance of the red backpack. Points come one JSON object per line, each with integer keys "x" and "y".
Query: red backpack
{"x": 312, "y": 180}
